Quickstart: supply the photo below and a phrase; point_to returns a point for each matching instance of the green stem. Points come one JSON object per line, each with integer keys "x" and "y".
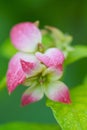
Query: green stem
{"x": 3, "y": 83}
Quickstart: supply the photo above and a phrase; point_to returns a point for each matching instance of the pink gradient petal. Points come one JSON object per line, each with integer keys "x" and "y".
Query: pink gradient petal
{"x": 52, "y": 58}
{"x": 27, "y": 66}
{"x": 31, "y": 68}
{"x": 32, "y": 94}
{"x": 15, "y": 73}
{"x": 25, "y": 36}
{"x": 59, "y": 92}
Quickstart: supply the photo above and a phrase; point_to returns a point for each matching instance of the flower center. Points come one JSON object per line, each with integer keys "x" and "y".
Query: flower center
{"x": 42, "y": 79}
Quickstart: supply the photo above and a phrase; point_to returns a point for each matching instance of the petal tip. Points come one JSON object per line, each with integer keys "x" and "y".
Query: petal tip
{"x": 27, "y": 99}
{"x": 9, "y": 92}
{"x": 32, "y": 94}
{"x": 66, "y": 100}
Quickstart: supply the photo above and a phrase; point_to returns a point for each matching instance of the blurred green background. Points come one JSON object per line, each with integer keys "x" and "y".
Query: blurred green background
{"x": 70, "y": 17}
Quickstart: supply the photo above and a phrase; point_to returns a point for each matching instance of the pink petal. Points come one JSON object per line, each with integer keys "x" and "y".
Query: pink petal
{"x": 31, "y": 68}
{"x": 27, "y": 66}
{"x": 58, "y": 91}
{"x": 15, "y": 73}
{"x": 52, "y": 58}
{"x": 25, "y": 36}
{"x": 32, "y": 94}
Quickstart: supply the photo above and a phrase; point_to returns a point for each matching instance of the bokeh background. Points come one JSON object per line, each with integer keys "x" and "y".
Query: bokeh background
{"x": 70, "y": 17}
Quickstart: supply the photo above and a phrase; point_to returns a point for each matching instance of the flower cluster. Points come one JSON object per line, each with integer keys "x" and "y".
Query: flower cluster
{"x": 39, "y": 71}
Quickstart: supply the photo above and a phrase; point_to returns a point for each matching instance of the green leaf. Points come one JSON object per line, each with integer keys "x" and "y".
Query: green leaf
{"x": 27, "y": 126}
{"x": 7, "y": 49}
{"x": 77, "y": 53}
{"x": 85, "y": 80}
{"x": 73, "y": 116}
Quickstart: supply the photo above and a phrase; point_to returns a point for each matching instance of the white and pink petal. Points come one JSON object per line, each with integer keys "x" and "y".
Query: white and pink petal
{"x": 25, "y": 36}
{"x": 53, "y": 57}
{"x": 32, "y": 94}
{"x": 31, "y": 68}
{"x": 16, "y": 74}
{"x": 58, "y": 91}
